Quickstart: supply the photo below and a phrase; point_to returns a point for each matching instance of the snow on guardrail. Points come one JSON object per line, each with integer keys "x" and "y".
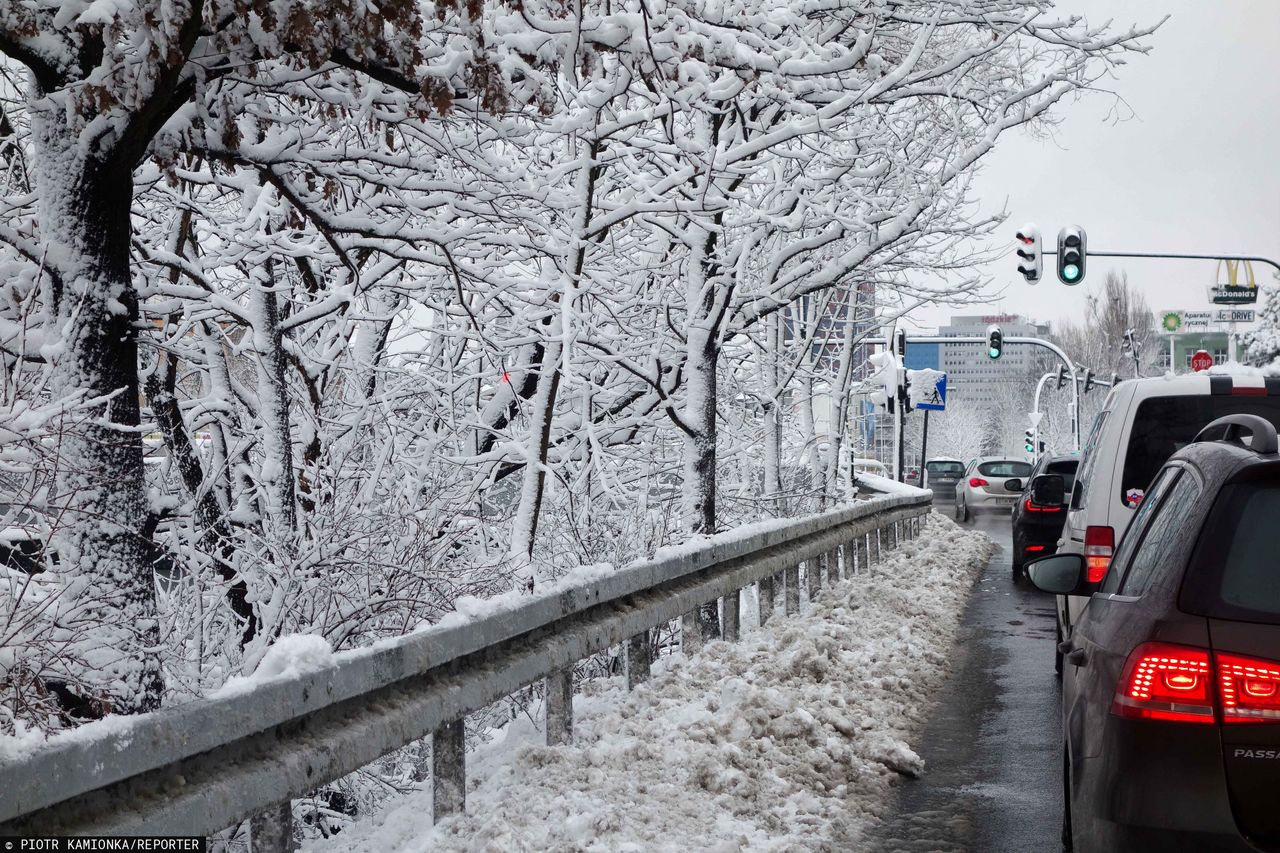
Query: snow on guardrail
{"x": 791, "y": 739}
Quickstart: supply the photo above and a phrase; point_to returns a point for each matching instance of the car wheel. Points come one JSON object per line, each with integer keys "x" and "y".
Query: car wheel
{"x": 1067, "y": 841}
{"x": 967, "y": 516}
{"x": 1017, "y": 570}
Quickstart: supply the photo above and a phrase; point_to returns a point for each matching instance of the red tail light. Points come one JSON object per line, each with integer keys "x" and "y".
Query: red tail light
{"x": 1099, "y": 545}
{"x": 1162, "y": 681}
{"x": 1034, "y": 548}
{"x": 1034, "y": 507}
{"x": 1250, "y": 689}
{"x": 977, "y": 481}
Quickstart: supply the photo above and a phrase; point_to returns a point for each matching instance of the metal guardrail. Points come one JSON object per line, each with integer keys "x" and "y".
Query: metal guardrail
{"x": 198, "y": 768}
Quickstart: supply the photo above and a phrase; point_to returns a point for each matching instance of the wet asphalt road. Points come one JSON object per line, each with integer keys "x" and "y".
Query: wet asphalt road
{"x": 992, "y": 746}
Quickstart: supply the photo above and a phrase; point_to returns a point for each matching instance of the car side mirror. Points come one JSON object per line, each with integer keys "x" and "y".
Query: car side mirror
{"x": 1013, "y": 485}
{"x": 1049, "y": 490}
{"x": 1061, "y": 574}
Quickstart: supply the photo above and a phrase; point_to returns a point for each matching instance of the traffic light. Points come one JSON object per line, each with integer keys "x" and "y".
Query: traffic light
{"x": 1088, "y": 381}
{"x": 1029, "y": 443}
{"x": 1115, "y": 379}
{"x": 1062, "y": 376}
{"x": 1071, "y": 254}
{"x": 1029, "y": 250}
{"x": 995, "y": 342}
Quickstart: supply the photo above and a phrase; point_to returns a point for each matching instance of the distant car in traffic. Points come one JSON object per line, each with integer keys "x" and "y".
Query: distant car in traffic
{"x": 942, "y": 475}
{"x": 1142, "y": 423}
{"x": 1171, "y": 688}
{"x": 912, "y": 477}
{"x": 1038, "y": 518}
{"x": 985, "y": 486}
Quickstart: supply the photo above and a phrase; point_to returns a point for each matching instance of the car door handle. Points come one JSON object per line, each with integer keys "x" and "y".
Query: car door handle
{"x": 1073, "y": 655}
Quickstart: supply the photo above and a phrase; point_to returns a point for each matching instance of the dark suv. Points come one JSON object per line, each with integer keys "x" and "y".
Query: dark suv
{"x": 1039, "y": 516}
{"x": 1171, "y": 689}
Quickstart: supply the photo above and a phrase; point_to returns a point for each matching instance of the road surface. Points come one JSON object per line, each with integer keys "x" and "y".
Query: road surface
{"x": 992, "y": 747}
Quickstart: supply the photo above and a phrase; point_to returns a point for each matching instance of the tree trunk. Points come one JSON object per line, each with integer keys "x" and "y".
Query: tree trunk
{"x": 703, "y": 352}
{"x": 108, "y": 606}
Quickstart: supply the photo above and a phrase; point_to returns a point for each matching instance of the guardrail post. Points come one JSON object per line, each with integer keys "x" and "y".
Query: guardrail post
{"x": 690, "y": 632}
{"x": 639, "y": 658}
{"x": 859, "y": 563}
{"x": 793, "y": 589}
{"x": 815, "y": 574}
{"x": 271, "y": 830}
{"x": 448, "y": 770}
{"x": 875, "y": 546}
{"x": 729, "y": 616}
{"x": 559, "y": 692}
{"x": 764, "y": 594}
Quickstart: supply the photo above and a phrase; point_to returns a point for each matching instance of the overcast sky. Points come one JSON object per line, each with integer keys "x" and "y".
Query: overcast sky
{"x": 1194, "y": 169}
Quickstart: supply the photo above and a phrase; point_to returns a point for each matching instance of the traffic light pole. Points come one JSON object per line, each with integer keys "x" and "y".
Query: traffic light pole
{"x": 1036, "y": 342}
{"x": 1171, "y": 256}
{"x": 1035, "y": 408}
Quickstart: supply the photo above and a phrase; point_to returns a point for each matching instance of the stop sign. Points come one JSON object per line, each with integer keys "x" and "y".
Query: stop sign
{"x": 1201, "y": 361}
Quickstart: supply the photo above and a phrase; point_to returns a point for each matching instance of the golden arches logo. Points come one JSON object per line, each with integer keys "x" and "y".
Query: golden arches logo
{"x": 1233, "y": 274}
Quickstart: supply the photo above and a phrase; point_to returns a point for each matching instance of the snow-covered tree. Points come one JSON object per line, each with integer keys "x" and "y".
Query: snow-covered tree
{"x": 1262, "y": 344}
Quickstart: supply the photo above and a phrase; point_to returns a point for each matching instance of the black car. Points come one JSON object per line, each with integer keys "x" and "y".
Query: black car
{"x": 1039, "y": 516}
{"x": 1171, "y": 689}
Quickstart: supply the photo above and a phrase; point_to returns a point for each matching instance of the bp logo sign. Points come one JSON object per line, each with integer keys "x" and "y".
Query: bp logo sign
{"x": 1172, "y": 321}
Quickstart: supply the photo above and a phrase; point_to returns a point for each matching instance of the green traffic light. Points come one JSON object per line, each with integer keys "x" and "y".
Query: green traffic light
{"x": 993, "y": 352}
{"x": 1070, "y": 272}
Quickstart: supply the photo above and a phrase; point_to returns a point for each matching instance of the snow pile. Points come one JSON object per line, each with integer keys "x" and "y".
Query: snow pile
{"x": 887, "y": 485}
{"x": 290, "y": 656}
{"x": 791, "y": 739}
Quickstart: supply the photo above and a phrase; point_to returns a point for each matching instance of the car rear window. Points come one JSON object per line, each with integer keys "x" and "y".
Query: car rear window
{"x": 1066, "y": 470}
{"x": 944, "y": 469}
{"x": 1235, "y": 573}
{"x": 1164, "y": 425}
{"x": 1005, "y": 469}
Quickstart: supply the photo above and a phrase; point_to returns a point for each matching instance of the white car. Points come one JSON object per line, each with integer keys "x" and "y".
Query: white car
{"x": 1142, "y": 423}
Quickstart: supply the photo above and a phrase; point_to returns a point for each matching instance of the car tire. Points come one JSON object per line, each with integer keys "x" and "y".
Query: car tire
{"x": 1017, "y": 570}
{"x": 967, "y": 516}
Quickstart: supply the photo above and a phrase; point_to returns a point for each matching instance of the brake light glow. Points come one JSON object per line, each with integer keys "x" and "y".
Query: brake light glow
{"x": 1029, "y": 506}
{"x": 1035, "y": 548}
{"x": 1249, "y": 689}
{"x": 974, "y": 482}
{"x": 1162, "y": 681}
{"x": 1099, "y": 545}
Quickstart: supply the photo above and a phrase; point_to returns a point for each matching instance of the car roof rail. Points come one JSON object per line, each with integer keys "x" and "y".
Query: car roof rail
{"x": 1227, "y": 428}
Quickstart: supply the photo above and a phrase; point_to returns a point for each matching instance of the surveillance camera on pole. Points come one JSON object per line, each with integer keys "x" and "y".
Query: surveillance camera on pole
{"x": 1062, "y": 376}
{"x": 1071, "y": 254}
{"x": 1031, "y": 264}
{"x": 995, "y": 342}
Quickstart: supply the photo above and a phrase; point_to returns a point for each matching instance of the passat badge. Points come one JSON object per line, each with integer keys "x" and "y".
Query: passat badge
{"x": 1133, "y": 497}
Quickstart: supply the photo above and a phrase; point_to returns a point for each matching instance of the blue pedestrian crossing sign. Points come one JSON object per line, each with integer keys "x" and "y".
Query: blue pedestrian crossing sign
{"x": 936, "y": 400}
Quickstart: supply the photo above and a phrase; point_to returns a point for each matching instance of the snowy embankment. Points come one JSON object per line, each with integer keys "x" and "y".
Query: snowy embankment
{"x": 790, "y": 739}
